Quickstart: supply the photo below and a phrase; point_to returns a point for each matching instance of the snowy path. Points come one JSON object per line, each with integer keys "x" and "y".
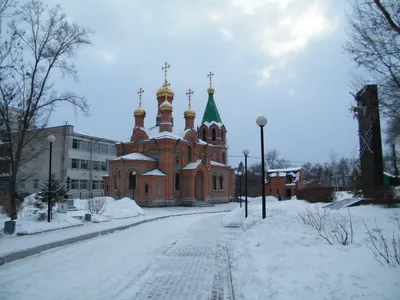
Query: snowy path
{"x": 176, "y": 258}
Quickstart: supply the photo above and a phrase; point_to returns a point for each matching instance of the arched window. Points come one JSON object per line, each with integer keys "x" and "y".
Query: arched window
{"x": 204, "y": 134}
{"x": 214, "y": 182}
{"x": 223, "y": 158}
{"x": 146, "y": 188}
{"x": 189, "y": 154}
{"x": 221, "y": 183}
{"x": 177, "y": 182}
{"x": 132, "y": 180}
{"x": 116, "y": 181}
{"x": 213, "y": 134}
{"x": 222, "y": 135}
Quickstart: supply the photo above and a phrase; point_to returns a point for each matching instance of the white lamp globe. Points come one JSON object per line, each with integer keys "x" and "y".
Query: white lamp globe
{"x": 245, "y": 152}
{"x": 51, "y": 138}
{"x": 261, "y": 121}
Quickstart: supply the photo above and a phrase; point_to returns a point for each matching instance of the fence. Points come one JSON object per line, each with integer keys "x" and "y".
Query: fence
{"x": 85, "y": 195}
{"x": 317, "y": 194}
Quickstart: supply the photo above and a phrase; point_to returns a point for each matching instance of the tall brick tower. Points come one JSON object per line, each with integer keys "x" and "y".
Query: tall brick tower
{"x": 212, "y": 130}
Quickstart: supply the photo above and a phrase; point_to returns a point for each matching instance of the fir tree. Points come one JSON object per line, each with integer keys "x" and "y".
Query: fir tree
{"x": 57, "y": 192}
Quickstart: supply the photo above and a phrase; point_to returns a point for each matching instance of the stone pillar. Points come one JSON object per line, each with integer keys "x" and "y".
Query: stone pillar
{"x": 371, "y": 156}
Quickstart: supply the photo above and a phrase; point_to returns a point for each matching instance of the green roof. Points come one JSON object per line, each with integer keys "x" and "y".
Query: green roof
{"x": 211, "y": 113}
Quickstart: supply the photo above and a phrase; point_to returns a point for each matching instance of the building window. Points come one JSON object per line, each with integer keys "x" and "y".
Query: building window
{"x": 74, "y": 184}
{"x": 85, "y": 146}
{"x": 104, "y": 148}
{"x": 4, "y": 165}
{"x": 75, "y": 144}
{"x": 222, "y": 135}
{"x": 75, "y": 163}
{"x": 95, "y": 147}
{"x": 116, "y": 181}
{"x": 223, "y": 158}
{"x": 112, "y": 150}
{"x": 95, "y": 185}
{"x": 21, "y": 185}
{"x": 132, "y": 180}
{"x": 213, "y": 134}
{"x": 95, "y": 165}
{"x": 277, "y": 191}
{"x": 146, "y": 188}
{"x": 83, "y": 184}
{"x": 84, "y": 164}
{"x": 102, "y": 185}
{"x": 204, "y": 134}
{"x": 214, "y": 182}
{"x": 270, "y": 191}
{"x": 36, "y": 184}
{"x": 177, "y": 182}
{"x": 221, "y": 183}
{"x": 189, "y": 154}
{"x": 103, "y": 166}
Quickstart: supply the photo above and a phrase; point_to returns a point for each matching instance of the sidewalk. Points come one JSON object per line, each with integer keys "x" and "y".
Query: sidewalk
{"x": 17, "y": 247}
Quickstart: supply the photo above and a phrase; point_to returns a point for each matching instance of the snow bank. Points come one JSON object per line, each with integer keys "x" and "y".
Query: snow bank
{"x": 338, "y": 196}
{"x": 280, "y": 258}
{"x": 31, "y": 226}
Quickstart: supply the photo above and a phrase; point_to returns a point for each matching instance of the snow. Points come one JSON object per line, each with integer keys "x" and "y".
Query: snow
{"x": 338, "y": 196}
{"x": 284, "y": 170}
{"x": 155, "y": 172}
{"x": 192, "y": 165}
{"x": 208, "y": 124}
{"x": 217, "y": 164}
{"x": 135, "y": 156}
{"x": 281, "y": 258}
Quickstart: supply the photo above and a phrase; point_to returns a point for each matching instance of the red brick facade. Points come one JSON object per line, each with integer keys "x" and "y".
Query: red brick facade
{"x": 284, "y": 182}
{"x": 163, "y": 165}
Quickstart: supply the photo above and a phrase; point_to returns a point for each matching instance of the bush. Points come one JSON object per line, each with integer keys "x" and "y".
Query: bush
{"x": 96, "y": 206}
{"x": 380, "y": 247}
{"x": 340, "y": 232}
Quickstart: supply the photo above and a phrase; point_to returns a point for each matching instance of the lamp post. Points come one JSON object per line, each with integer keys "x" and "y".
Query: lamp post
{"x": 261, "y": 122}
{"x": 51, "y": 139}
{"x": 240, "y": 173}
{"x": 133, "y": 184}
{"x": 245, "y": 153}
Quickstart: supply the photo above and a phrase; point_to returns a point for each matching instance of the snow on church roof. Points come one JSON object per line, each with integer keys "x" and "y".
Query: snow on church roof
{"x": 154, "y": 172}
{"x": 135, "y": 156}
{"x": 208, "y": 124}
{"x": 192, "y": 165}
{"x": 217, "y": 164}
{"x": 154, "y": 133}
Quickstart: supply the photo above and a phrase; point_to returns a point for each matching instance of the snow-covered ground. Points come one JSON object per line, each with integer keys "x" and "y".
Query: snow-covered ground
{"x": 281, "y": 258}
{"x": 28, "y": 222}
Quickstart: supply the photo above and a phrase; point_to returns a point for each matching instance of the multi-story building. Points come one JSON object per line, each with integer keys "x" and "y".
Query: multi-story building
{"x": 78, "y": 159}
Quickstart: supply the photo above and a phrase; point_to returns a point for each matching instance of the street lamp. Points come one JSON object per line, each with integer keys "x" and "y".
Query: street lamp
{"x": 133, "y": 184}
{"x": 245, "y": 153}
{"x": 261, "y": 122}
{"x": 240, "y": 173}
{"x": 51, "y": 139}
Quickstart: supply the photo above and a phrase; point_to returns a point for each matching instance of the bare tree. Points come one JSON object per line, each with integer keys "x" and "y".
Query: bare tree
{"x": 374, "y": 45}
{"x": 39, "y": 44}
{"x": 274, "y": 161}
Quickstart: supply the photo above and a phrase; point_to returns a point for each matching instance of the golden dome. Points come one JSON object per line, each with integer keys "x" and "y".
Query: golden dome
{"x": 210, "y": 90}
{"x": 166, "y": 106}
{"x": 165, "y": 91}
{"x": 139, "y": 112}
{"x": 189, "y": 113}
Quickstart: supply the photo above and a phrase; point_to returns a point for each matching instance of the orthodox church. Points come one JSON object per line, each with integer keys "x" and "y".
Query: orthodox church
{"x": 164, "y": 166}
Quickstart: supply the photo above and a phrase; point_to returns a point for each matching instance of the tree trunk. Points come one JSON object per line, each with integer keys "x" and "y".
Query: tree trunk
{"x": 13, "y": 198}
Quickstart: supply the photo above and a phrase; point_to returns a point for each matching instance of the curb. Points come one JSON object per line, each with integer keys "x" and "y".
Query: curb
{"x": 39, "y": 232}
{"x": 10, "y": 257}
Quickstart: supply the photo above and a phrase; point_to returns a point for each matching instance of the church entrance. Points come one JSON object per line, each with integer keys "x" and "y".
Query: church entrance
{"x": 199, "y": 185}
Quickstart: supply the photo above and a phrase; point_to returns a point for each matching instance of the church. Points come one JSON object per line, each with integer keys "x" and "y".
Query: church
{"x": 163, "y": 165}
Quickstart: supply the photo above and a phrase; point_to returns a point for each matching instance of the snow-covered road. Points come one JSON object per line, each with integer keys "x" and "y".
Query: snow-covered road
{"x": 175, "y": 258}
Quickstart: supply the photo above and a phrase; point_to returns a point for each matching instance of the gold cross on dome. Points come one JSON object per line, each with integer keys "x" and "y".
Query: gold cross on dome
{"x": 140, "y": 93}
{"x": 210, "y": 75}
{"x": 189, "y": 93}
{"x": 165, "y": 69}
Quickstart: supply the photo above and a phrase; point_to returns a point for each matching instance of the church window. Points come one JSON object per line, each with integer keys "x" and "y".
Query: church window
{"x": 214, "y": 182}
{"x": 116, "y": 181}
{"x": 177, "y": 182}
{"x": 204, "y": 134}
{"x": 223, "y": 158}
{"x": 222, "y": 135}
{"x": 213, "y": 134}
{"x": 221, "y": 183}
{"x": 189, "y": 154}
{"x": 132, "y": 180}
{"x": 146, "y": 188}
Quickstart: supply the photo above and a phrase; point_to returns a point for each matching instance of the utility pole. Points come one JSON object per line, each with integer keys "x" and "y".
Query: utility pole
{"x": 396, "y": 170}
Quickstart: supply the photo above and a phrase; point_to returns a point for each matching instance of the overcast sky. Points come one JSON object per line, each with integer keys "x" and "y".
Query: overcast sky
{"x": 279, "y": 58}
